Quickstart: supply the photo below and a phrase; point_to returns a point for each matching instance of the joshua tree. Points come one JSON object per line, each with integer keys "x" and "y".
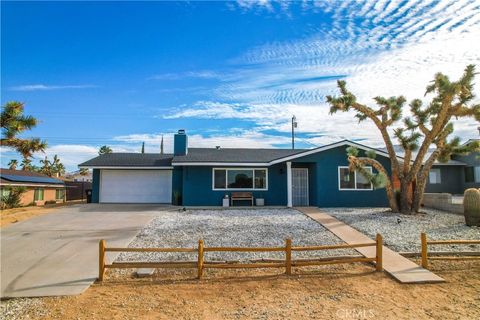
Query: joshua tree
{"x": 428, "y": 126}
{"x": 104, "y": 150}
{"x": 13, "y": 123}
{"x": 12, "y": 165}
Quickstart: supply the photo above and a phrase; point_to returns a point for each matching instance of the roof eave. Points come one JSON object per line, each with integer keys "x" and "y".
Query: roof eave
{"x": 126, "y": 167}
{"x": 221, "y": 163}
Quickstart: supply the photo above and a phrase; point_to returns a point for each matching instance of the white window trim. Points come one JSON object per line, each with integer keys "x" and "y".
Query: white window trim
{"x": 439, "y": 174}
{"x": 354, "y": 182}
{"x": 476, "y": 177}
{"x": 239, "y": 189}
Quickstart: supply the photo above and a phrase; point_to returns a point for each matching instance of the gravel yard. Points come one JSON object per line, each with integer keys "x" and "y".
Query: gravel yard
{"x": 402, "y": 232}
{"x": 22, "y": 308}
{"x": 236, "y": 228}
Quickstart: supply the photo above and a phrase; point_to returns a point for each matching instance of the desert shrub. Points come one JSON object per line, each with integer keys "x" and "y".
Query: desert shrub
{"x": 12, "y": 198}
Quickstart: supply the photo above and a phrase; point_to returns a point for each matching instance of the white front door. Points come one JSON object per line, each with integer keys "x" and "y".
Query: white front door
{"x": 300, "y": 187}
{"x": 136, "y": 186}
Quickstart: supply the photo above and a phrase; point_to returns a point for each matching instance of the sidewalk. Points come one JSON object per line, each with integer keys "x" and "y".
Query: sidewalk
{"x": 399, "y": 267}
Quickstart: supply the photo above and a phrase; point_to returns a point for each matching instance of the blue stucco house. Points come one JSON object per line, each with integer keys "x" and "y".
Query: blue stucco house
{"x": 204, "y": 176}
{"x": 456, "y": 175}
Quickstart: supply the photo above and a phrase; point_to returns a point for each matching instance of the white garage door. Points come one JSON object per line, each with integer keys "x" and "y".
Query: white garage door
{"x": 136, "y": 186}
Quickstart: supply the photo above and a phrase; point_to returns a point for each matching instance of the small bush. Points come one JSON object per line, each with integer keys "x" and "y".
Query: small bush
{"x": 13, "y": 198}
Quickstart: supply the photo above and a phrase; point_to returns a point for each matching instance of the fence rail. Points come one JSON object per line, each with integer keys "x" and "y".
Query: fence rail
{"x": 201, "y": 265}
{"x": 444, "y": 255}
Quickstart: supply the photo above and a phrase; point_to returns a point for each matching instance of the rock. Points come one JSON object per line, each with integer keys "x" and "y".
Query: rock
{"x": 145, "y": 272}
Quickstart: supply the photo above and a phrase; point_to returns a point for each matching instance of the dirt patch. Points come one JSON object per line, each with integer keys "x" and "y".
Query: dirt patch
{"x": 20, "y": 214}
{"x": 332, "y": 292}
{"x": 15, "y": 215}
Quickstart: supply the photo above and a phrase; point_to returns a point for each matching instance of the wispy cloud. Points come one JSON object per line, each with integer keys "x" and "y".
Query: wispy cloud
{"x": 69, "y": 154}
{"x": 380, "y": 47}
{"x": 366, "y": 40}
{"x": 233, "y": 137}
{"x": 315, "y": 124}
{"x": 44, "y": 87}
{"x": 203, "y": 74}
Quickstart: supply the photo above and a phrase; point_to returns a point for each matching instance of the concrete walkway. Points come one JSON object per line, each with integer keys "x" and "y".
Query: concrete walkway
{"x": 399, "y": 267}
{"x": 57, "y": 254}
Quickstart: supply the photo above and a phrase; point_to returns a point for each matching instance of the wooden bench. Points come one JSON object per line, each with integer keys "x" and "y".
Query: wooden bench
{"x": 241, "y": 196}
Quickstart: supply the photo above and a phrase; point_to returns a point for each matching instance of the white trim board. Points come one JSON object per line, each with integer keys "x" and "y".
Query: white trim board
{"x": 126, "y": 167}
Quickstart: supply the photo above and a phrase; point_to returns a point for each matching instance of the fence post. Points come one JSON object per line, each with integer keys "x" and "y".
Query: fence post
{"x": 288, "y": 256}
{"x": 379, "y": 252}
{"x": 423, "y": 238}
{"x": 200, "y": 259}
{"x": 101, "y": 260}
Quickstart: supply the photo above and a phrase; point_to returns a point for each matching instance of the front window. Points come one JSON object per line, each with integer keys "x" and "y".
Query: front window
{"x": 231, "y": 179}
{"x": 477, "y": 174}
{"x": 349, "y": 180}
{"x": 38, "y": 194}
{"x": 59, "y": 194}
{"x": 260, "y": 179}
{"x": 240, "y": 179}
{"x": 434, "y": 176}
{"x": 220, "y": 179}
{"x": 469, "y": 174}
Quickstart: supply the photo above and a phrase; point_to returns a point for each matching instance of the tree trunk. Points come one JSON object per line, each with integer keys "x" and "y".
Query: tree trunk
{"x": 362, "y": 161}
{"x": 404, "y": 205}
{"x": 392, "y": 198}
{"x": 418, "y": 193}
{"x": 422, "y": 180}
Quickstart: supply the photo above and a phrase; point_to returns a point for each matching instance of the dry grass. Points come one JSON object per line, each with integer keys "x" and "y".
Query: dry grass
{"x": 331, "y": 292}
{"x": 15, "y": 215}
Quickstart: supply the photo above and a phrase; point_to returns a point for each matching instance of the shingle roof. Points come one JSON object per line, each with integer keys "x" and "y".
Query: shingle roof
{"x": 401, "y": 153}
{"x": 8, "y": 176}
{"x": 209, "y": 155}
{"x": 130, "y": 160}
{"x": 231, "y": 155}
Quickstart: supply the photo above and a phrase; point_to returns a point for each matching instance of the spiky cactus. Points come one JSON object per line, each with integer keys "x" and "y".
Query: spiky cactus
{"x": 471, "y": 207}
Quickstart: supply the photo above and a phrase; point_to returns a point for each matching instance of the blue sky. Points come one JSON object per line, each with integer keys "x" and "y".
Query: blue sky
{"x": 230, "y": 73}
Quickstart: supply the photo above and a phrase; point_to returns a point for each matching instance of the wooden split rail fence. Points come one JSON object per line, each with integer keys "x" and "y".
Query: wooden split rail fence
{"x": 288, "y": 263}
{"x": 443, "y": 255}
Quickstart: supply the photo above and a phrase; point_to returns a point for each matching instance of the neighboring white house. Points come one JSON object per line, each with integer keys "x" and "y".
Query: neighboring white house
{"x": 77, "y": 176}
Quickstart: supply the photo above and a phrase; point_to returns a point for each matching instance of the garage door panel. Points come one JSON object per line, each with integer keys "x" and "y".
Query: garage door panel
{"x": 136, "y": 186}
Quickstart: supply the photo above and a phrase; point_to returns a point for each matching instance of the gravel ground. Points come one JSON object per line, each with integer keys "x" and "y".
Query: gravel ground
{"x": 402, "y": 232}
{"x": 239, "y": 227}
{"x": 22, "y": 308}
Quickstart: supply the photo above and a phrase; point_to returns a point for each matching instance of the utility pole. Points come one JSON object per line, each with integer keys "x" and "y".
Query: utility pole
{"x": 294, "y": 125}
{"x": 161, "y": 146}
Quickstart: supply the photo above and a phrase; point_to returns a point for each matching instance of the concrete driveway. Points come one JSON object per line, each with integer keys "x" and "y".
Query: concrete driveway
{"x": 57, "y": 254}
